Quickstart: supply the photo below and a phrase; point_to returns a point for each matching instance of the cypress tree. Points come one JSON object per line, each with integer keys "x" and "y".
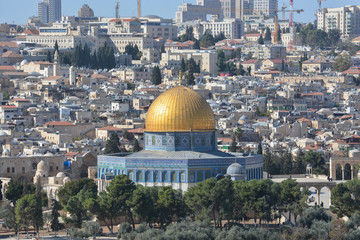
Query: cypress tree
{"x": 136, "y": 146}
{"x": 156, "y": 76}
{"x": 261, "y": 40}
{"x": 267, "y": 35}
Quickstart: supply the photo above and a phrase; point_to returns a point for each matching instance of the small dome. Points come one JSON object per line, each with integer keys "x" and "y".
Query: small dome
{"x": 309, "y": 165}
{"x": 61, "y": 175}
{"x": 243, "y": 117}
{"x": 235, "y": 169}
{"x": 66, "y": 179}
{"x": 49, "y": 154}
{"x": 2, "y": 133}
{"x": 42, "y": 166}
{"x": 23, "y": 62}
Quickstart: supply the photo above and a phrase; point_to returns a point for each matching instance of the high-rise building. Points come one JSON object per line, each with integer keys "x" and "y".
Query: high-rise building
{"x": 85, "y": 11}
{"x": 43, "y": 12}
{"x": 226, "y": 9}
{"x": 267, "y": 8}
{"x": 345, "y": 19}
{"x": 49, "y": 11}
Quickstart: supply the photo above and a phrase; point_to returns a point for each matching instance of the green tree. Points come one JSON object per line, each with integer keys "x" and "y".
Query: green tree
{"x": 317, "y": 162}
{"x": 342, "y": 62}
{"x": 345, "y": 198}
{"x": 240, "y": 70}
{"x": 136, "y": 146}
{"x": 55, "y": 225}
{"x": 144, "y": 203}
{"x": 112, "y": 144}
{"x": 56, "y": 46}
{"x": 156, "y": 76}
{"x": 221, "y": 62}
{"x": 313, "y": 214}
{"x": 49, "y": 57}
{"x": 18, "y": 189}
{"x": 219, "y": 37}
{"x": 238, "y": 133}
{"x": 92, "y": 229}
{"x": 191, "y": 65}
{"x": 290, "y": 195}
{"x": 80, "y": 206}
{"x": 259, "y": 149}
{"x": 267, "y": 35}
{"x": 171, "y": 204}
{"x": 207, "y": 40}
{"x": 334, "y": 37}
{"x": 261, "y": 40}
{"x": 7, "y": 213}
{"x": 182, "y": 65}
{"x": 196, "y": 44}
{"x": 233, "y": 144}
{"x": 189, "y": 77}
{"x": 74, "y": 187}
{"x": 28, "y": 212}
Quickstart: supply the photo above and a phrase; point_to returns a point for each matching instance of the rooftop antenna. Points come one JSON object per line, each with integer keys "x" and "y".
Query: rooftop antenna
{"x": 117, "y": 9}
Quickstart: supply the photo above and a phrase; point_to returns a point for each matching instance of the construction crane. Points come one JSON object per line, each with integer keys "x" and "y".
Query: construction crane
{"x": 319, "y": 2}
{"x": 283, "y": 11}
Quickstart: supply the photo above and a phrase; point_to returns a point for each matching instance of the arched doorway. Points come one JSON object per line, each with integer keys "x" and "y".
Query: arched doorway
{"x": 338, "y": 172}
{"x": 347, "y": 172}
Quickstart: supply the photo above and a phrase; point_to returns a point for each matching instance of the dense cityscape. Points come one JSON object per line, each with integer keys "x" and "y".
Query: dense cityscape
{"x": 229, "y": 121}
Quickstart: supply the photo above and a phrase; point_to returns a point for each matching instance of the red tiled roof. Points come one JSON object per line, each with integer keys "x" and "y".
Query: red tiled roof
{"x": 137, "y": 130}
{"x": 69, "y": 154}
{"x": 11, "y": 54}
{"x": 20, "y": 100}
{"x": 352, "y": 70}
{"x": 9, "y": 106}
{"x": 7, "y": 68}
{"x": 251, "y": 61}
{"x": 110, "y": 128}
{"x": 9, "y": 44}
{"x": 225, "y": 139}
{"x": 59, "y": 123}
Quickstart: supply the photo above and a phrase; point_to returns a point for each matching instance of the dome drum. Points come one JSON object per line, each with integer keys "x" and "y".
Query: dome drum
{"x": 181, "y": 141}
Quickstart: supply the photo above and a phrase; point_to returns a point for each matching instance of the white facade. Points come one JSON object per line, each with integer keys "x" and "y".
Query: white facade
{"x": 232, "y": 28}
{"x": 345, "y": 19}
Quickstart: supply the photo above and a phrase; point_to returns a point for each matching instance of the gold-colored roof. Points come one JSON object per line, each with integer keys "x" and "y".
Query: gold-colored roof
{"x": 179, "y": 109}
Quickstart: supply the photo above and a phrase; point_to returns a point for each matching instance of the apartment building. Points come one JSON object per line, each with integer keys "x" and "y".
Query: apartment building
{"x": 232, "y": 28}
{"x": 49, "y": 11}
{"x": 345, "y": 19}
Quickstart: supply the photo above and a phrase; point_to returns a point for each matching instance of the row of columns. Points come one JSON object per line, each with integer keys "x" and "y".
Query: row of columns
{"x": 343, "y": 172}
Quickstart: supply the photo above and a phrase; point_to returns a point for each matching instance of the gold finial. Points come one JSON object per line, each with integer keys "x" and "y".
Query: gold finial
{"x": 180, "y": 77}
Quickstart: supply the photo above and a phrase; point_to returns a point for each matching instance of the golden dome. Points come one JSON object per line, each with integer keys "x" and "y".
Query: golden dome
{"x": 179, "y": 109}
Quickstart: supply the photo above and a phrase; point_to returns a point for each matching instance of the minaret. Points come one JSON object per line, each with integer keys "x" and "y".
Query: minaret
{"x": 71, "y": 76}
{"x": 56, "y": 65}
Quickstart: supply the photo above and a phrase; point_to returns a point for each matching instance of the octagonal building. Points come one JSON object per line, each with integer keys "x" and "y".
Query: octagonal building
{"x": 180, "y": 146}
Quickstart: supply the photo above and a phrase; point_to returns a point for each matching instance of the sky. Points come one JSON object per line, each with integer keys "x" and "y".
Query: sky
{"x": 18, "y": 11}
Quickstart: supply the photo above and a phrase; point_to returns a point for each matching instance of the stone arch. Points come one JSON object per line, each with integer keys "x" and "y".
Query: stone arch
{"x": 347, "y": 172}
{"x": 338, "y": 175}
{"x": 323, "y": 200}
{"x": 182, "y": 177}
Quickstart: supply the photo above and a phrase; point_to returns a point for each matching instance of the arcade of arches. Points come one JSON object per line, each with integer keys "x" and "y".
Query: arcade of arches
{"x": 344, "y": 168}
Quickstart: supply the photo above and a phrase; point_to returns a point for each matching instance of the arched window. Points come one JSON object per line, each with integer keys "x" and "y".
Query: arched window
{"x": 147, "y": 177}
{"x": 131, "y": 175}
{"x": 182, "y": 176}
{"x": 173, "y": 176}
{"x": 164, "y": 177}
{"x": 156, "y": 176}
{"x": 139, "y": 176}
{"x": 199, "y": 176}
